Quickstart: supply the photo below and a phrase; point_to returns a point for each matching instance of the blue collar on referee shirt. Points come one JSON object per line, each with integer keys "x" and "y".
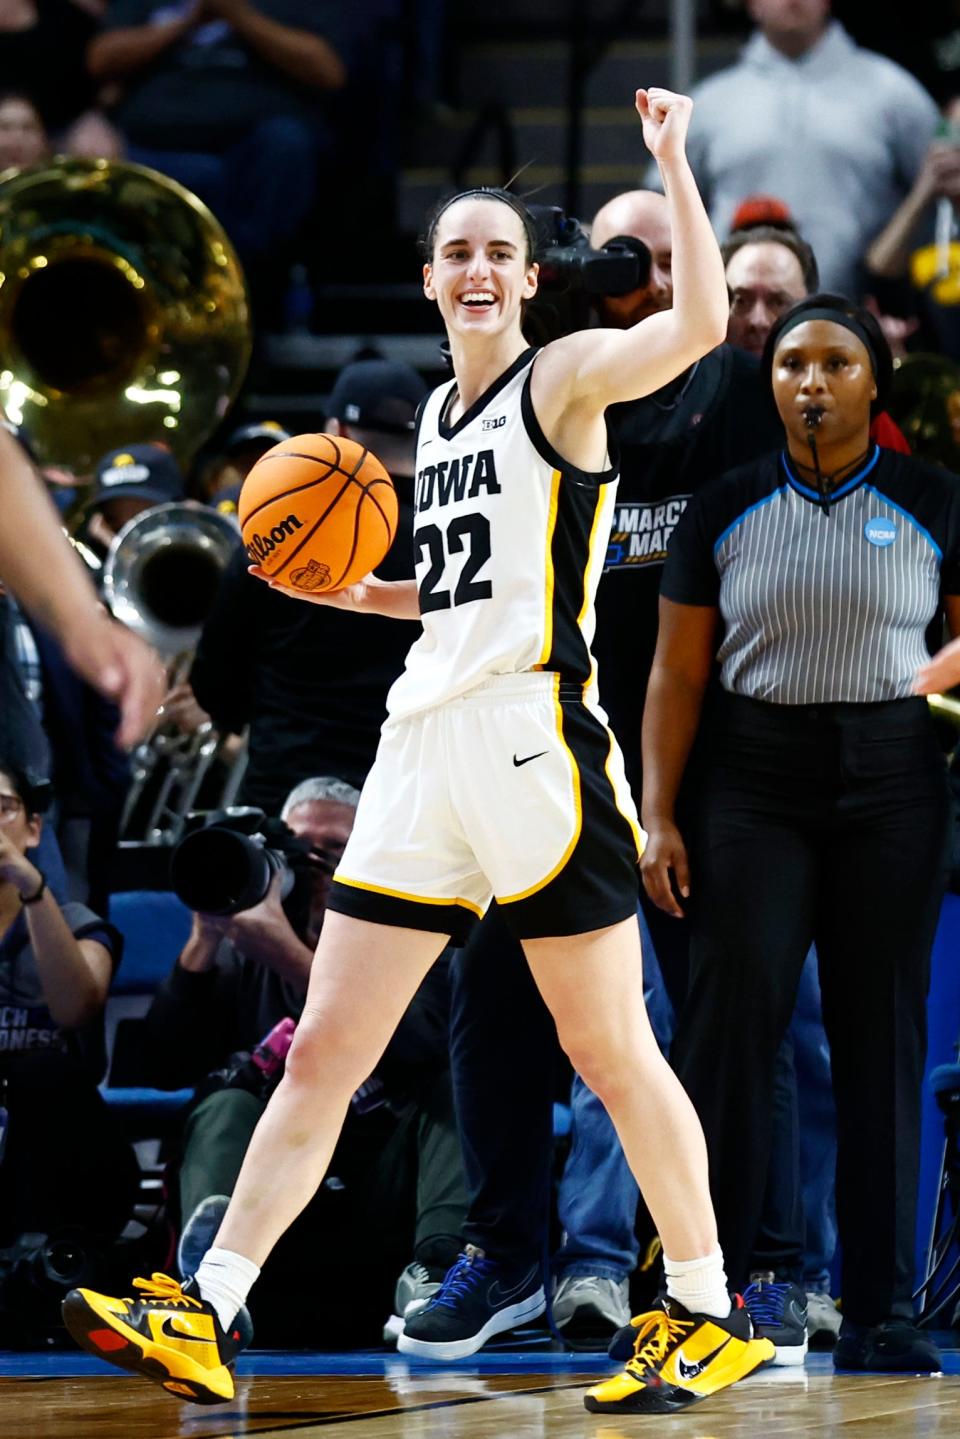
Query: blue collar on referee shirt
{"x": 851, "y": 484}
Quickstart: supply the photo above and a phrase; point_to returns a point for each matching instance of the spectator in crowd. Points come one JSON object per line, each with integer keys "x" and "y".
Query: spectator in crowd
{"x": 66, "y": 1164}
{"x": 229, "y": 97}
{"x": 127, "y": 482}
{"x": 837, "y": 132}
{"x": 89, "y": 772}
{"x": 311, "y": 681}
{"x": 239, "y": 977}
{"x": 913, "y": 264}
{"x": 714, "y": 415}
{"x": 42, "y": 49}
{"x": 824, "y": 788}
{"x": 224, "y": 474}
{"x": 768, "y": 269}
{"x": 23, "y": 135}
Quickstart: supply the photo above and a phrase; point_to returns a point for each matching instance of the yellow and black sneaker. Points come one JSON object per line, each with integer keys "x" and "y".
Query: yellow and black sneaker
{"x": 677, "y": 1359}
{"x": 168, "y": 1334}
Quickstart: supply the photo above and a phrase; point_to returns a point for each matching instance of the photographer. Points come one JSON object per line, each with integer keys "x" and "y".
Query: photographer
{"x": 239, "y": 976}
{"x": 63, "y": 1162}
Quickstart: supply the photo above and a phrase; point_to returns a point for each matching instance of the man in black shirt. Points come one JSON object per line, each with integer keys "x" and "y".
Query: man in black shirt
{"x": 311, "y": 681}
{"x": 709, "y": 419}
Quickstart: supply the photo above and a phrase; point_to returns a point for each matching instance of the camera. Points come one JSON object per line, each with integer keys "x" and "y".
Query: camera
{"x": 567, "y": 260}
{"x": 573, "y": 275}
{"x": 227, "y": 859}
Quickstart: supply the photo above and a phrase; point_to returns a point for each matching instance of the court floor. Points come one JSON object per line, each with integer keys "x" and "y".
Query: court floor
{"x": 496, "y": 1395}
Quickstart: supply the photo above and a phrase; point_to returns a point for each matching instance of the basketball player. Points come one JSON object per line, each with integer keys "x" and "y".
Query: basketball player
{"x": 496, "y": 775}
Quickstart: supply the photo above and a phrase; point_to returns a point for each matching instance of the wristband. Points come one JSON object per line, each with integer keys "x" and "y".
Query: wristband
{"x": 41, "y": 891}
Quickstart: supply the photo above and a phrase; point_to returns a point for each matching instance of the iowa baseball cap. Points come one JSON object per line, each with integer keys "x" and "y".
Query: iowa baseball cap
{"x": 271, "y": 432}
{"x": 377, "y": 395}
{"x": 140, "y": 472}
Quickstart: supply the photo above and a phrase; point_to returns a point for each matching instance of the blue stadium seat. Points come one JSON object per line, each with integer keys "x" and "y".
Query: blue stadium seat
{"x": 155, "y": 925}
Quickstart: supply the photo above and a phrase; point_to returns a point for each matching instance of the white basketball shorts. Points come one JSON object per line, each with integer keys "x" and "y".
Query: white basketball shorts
{"x": 514, "y": 791}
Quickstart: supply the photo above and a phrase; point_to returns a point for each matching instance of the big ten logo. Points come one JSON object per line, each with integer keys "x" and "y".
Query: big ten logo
{"x": 494, "y": 422}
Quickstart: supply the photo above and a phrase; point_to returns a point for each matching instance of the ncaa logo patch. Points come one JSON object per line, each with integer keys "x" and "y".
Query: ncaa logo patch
{"x": 880, "y": 531}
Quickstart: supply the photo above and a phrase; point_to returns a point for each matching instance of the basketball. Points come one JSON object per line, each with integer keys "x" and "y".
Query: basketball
{"x": 317, "y": 512}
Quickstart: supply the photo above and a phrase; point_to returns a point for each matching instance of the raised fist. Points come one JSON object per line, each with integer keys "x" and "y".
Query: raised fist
{"x": 665, "y": 117}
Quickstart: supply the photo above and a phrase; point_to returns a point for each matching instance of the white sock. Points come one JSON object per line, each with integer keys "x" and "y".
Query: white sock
{"x": 224, "y": 1280}
{"x": 700, "y": 1285}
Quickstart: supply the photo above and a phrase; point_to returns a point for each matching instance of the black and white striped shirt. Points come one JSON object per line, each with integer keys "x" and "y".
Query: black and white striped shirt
{"x": 820, "y": 607}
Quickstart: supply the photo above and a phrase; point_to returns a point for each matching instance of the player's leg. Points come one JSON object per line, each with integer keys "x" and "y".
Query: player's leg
{"x": 592, "y": 985}
{"x": 698, "y": 1343}
{"x": 363, "y": 977}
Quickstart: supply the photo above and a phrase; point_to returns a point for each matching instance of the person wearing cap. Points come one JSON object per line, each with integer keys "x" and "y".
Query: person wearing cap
{"x": 128, "y": 481}
{"x": 311, "y": 681}
{"x": 225, "y": 473}
{"x": 824, "y": 807}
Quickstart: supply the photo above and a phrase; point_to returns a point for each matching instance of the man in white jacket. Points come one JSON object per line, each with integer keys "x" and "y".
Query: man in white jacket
{"x": 837, "y": 132}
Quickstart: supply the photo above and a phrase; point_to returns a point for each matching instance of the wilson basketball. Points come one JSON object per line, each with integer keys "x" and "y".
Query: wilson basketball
{"x": 317, "y": 512}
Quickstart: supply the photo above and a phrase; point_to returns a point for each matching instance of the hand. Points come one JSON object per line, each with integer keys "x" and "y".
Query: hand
{"x": 180, "y": 708}
{"x": 263, "y": 932}
{"x": 666, "y": 119}
{"x": 941, "y": 170}
{"x": 354, "y": 597}
{"x": 118, "y": 663}
{"x": 897, "y": 329}
{"x": 664, "y": 855}
{"x": 16, "y": 869}
{"x": 940, "y": 673}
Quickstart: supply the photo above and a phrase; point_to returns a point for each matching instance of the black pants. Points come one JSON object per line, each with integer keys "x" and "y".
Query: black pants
{"x": 504, "y": 1062}
{"x": 66, "y": 1162}
{"x": 825, "y": 823}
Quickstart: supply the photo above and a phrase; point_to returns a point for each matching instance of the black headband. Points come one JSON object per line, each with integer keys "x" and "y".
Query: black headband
{"x": 485, "y": 192}
{"x": 836, "y": 317}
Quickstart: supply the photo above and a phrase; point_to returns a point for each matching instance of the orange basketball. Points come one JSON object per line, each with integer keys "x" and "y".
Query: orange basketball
{"x": 317, "y": 512}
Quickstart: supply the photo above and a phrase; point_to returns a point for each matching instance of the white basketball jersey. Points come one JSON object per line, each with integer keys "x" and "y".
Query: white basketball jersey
{"x": 509, "y": 543}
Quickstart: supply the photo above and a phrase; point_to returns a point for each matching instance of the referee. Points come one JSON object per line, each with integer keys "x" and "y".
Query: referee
{"x": 814, "y": 576}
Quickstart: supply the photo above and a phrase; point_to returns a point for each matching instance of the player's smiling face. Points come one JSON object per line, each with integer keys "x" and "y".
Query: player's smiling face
{"x": 479, "y": 273}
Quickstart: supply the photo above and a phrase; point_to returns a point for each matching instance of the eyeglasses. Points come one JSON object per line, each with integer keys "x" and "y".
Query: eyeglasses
{"x": 10, "y": 804}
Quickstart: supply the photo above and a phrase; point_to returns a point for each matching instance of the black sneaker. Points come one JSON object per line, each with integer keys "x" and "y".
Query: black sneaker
{"x": 779, "y": 1313}
{"x": 895, "y": 1347}
{"x": 168, "y": 1334}
{"x": 478, "y": 1298}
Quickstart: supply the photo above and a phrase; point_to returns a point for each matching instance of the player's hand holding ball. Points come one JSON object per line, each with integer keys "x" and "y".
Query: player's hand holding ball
{"x": 318, "y": 513}
{"x": 666, "y": 119}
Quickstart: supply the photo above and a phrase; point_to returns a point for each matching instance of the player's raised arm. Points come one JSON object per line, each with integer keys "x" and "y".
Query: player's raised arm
{"x": 596, "y": 368}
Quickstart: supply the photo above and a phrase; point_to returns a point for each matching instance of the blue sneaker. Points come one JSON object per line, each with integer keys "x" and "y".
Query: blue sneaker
{"x": 779, "y": 1313}
{"x": 479, "y": 1297}
{"x": 199, "y": 1232}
